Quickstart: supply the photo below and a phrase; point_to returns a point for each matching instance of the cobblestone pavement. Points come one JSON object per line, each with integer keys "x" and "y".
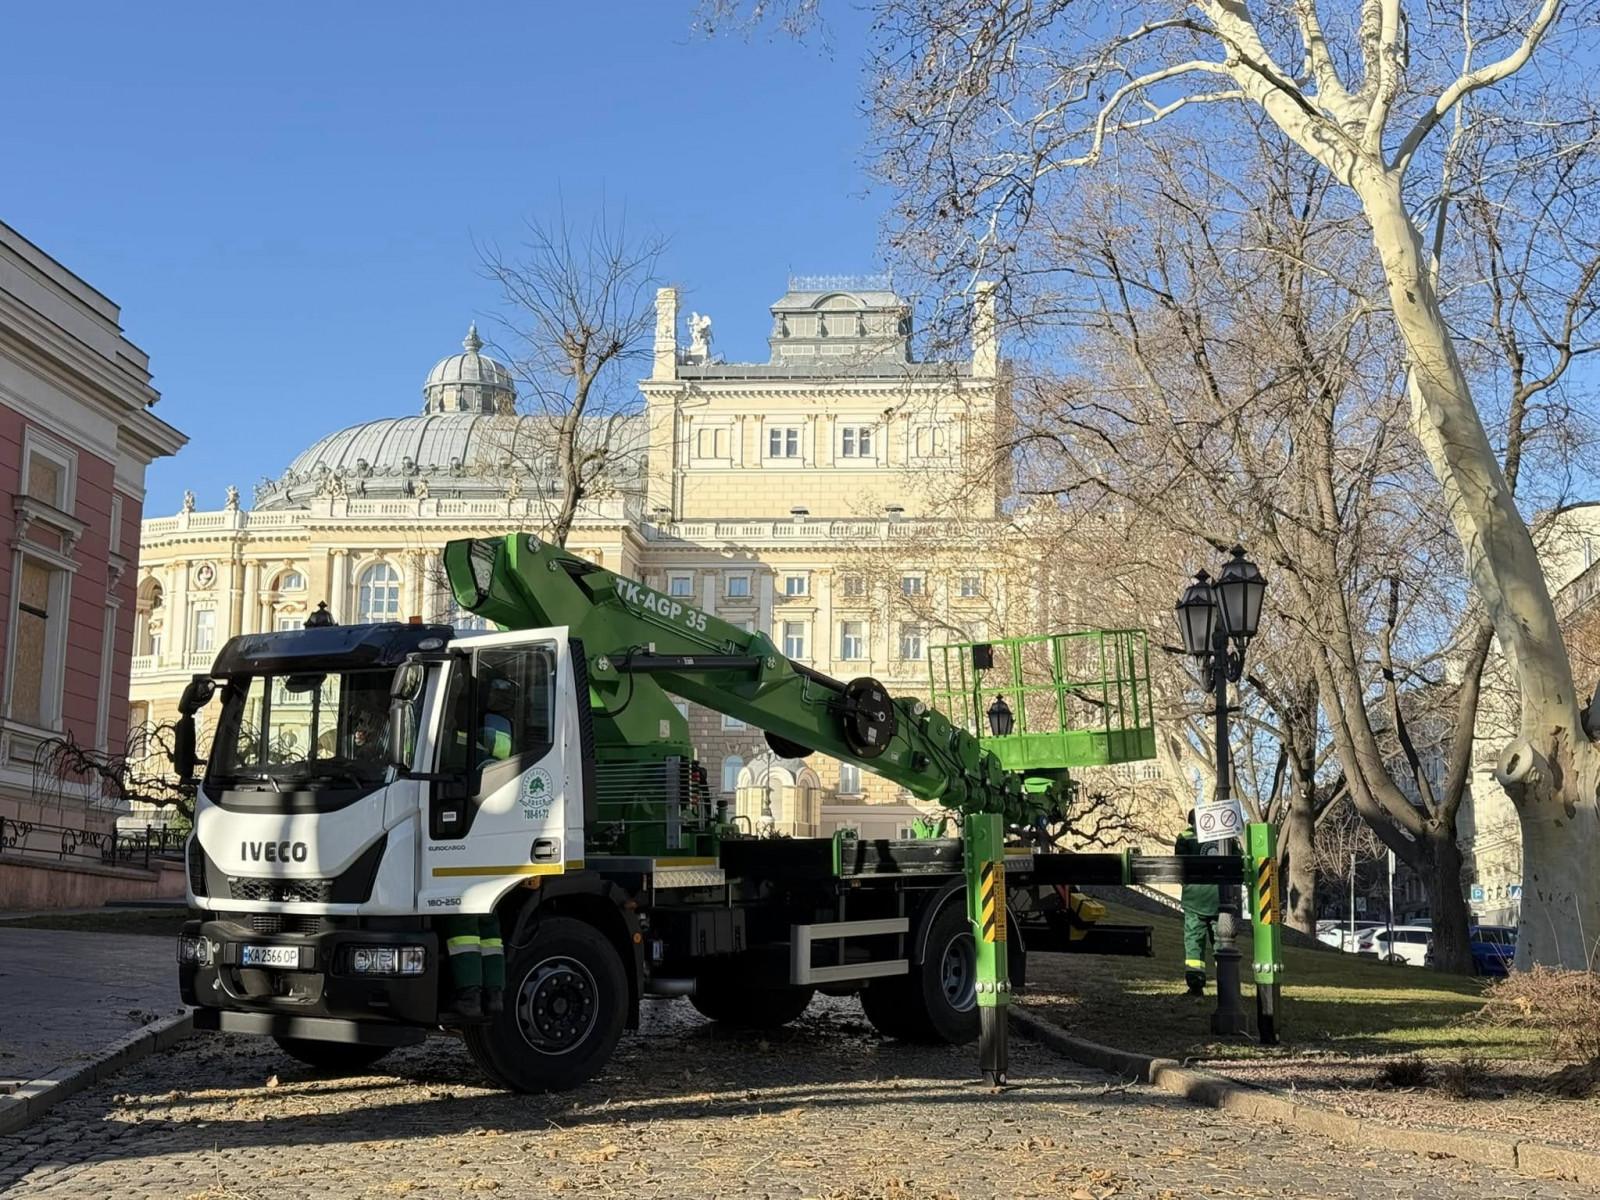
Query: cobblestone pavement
{"x": 66, "y": 996}
{"x": 823, "y": 1109}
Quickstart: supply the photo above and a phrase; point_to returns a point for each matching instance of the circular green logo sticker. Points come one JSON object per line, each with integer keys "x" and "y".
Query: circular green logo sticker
{"x": 538, "y": 793}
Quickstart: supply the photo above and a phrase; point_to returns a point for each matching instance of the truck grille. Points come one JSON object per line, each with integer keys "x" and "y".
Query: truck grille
{"x": 197, "y": 868}
{"x": 279, "y": 922}
{"x": 303, "y": 891}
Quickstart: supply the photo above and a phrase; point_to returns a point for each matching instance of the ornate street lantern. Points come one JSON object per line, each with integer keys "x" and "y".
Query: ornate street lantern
{"x": 1197, "y": 616}
{"x": 1001, "y": 720}
{"x": 1240, "y": 589}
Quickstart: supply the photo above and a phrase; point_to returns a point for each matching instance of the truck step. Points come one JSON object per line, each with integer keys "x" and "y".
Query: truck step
{"x": 803, "y": 937}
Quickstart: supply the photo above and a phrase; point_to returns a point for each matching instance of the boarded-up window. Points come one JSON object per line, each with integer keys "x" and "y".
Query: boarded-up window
{"x": 45, "y": 478}
{"x": 32, "y": 642}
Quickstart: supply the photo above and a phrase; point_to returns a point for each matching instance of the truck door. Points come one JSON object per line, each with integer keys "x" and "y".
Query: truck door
{"x": 497, "y": 803}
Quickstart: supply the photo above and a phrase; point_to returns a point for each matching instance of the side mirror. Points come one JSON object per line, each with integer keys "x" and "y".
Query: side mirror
{"x": 403, "y": 692}
{"x": 183, "y": 755}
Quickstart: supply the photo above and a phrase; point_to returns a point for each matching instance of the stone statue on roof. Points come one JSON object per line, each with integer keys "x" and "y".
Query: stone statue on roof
{"x": 231, "y": 501}
{"x": 699, "y": 337}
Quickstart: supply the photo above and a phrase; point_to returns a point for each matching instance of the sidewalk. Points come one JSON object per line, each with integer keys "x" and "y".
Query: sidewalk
{"x": 65, "y": 997}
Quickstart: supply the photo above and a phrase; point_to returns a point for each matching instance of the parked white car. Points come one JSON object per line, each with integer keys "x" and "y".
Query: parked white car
{"x": 1337, "y": 934}
{"x": 1407, "y": 944}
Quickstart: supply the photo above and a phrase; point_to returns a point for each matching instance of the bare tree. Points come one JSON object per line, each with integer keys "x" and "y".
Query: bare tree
{"x": 988, "y": 107}
{"x": 579, "y": 310}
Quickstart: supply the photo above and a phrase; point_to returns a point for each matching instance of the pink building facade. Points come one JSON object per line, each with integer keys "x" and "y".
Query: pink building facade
{"x": 76, "y": 435}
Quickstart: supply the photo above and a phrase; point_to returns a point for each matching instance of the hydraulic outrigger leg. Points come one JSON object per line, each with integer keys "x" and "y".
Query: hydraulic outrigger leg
{"x": 984, "y": 859}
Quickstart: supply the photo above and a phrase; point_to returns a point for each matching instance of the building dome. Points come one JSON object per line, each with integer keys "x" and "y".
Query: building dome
{"x": 446, "y": 455}
{"x": 469, "y": 382}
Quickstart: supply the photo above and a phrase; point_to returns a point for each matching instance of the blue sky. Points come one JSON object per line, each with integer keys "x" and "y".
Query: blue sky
{"x": 285, "y": 199}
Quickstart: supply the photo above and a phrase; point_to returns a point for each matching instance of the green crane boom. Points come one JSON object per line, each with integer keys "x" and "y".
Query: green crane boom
{"x": 640, "y": 644}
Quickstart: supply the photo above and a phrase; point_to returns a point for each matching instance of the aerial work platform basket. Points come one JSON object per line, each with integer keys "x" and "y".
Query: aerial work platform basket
{"x": 1048, "y": 703}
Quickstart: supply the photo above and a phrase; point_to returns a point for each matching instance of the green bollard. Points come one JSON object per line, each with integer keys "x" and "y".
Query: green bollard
{"x": 984, "y": 859}
{"x": 1261, "y": 870}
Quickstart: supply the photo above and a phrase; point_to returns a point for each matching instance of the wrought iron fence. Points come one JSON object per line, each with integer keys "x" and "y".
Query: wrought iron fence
{"x": 37, "y": 841}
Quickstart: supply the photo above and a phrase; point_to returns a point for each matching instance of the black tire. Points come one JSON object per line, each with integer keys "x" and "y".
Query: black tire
{"x": 737, "y": 1007}
{"x": 336, "y": 1058}
{"x": 566, "y": 1000}
{"x": 937, "y": 1002}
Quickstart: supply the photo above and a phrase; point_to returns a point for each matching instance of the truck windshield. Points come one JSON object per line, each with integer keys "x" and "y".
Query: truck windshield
{"x": 294, "y": 729}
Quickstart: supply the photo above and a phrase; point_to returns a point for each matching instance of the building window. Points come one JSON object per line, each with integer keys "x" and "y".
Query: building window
{"x": 287, "y": 624}
{"x": 783, "y": 441}
{"x": 731, "y": 723}
{"x": 849, "y": 779}
{"x": 378, "y": 596}
{"x": 738, "y": 587}
{"x": 205, "y": 630}
{"x": 36, "y": 669}
{"x": 929, "y": 441}
{"x": 680, "y": 584}
{"x": 712, "y": 442}
{"x": 683, "y": 708}
{"x": 796, "y": 585}
{"x": 794, "y": 639}
{"x": 291, "y": 581}
{"x": 855, "y": 441}
{"x": 47, "y": 472}
{"x": 853, "y": 640}
{"x": 971, "y": 586}
{"x": 463, "y": 621}
{"x": 910, "y": 641}
{"x": 731, "y": 766}
{"x": 853, "y": 586}
{"x": 912, "y": 585}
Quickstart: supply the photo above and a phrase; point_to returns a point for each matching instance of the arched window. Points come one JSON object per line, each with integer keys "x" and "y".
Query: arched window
{"x": 290, "y": 581}
{"x": 378, "y": 594}
{"x": 148, "y": 618}
{"x": 731, "y": 766}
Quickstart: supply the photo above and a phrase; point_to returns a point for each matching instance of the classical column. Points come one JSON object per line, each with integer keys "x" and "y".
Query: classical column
{"x": 764, "y": 604}
{"x": 177, "y": 639}
{"x": 251, "y": 599}
{"x": 235, "y": 597}
{"x": 339, "y": 588}
{"x": 415, "y": 585}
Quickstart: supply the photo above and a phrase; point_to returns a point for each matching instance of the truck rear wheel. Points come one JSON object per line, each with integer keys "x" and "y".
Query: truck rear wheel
{"x": 340, "y": 1058}
{"x": 938, "y": 1000}
{"x": 749, "y": 1007}
{"x": 565, "y": 1003}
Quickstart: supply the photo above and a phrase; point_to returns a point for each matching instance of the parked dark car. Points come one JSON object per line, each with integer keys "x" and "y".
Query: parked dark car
{"x": 1494, "y": 947}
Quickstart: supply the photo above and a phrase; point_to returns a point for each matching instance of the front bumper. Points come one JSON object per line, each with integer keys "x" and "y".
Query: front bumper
{"x": 322, "y": 986}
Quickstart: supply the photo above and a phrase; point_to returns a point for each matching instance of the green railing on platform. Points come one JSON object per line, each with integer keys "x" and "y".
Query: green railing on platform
{"x": 1077, "y": 699}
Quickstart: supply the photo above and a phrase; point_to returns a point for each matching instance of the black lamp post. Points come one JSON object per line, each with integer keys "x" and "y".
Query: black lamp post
{"x": 1001, "y": 719}
{"x": 1210, "y": 616}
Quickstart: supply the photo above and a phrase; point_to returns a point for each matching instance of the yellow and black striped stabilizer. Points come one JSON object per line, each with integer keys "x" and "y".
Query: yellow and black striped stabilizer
{"x": 1267, "y": 891}
{"x": 992, "y": 901}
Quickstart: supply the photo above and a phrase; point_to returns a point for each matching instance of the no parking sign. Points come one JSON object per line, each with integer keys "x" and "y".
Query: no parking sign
{"x": 1218, "y": 821}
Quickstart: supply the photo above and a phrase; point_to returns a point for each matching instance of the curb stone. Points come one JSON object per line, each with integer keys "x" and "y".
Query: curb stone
{"x": 1263, "y": 1104}
{"x": 32, "y": 1100}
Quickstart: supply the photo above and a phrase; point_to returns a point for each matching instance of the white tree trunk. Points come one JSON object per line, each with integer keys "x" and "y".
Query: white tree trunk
{"x": 1552, "y": 771}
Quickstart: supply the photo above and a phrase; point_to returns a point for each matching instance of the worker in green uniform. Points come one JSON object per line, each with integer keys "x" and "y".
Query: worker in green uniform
{"x": 477, "y": 953}
{"x": 477, "y": 963}
{"x": 1200, "y": 904}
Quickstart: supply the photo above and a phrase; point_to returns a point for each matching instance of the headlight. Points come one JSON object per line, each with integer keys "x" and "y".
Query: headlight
{"x": 193, "y": 951}
{"x": 388, "y": 960}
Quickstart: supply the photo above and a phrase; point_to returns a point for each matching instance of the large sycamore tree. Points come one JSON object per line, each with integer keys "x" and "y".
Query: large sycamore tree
{"x": 988, "y": 107}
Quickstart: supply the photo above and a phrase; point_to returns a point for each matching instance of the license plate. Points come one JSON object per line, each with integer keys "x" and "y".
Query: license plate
{"x": 270, "y": 956}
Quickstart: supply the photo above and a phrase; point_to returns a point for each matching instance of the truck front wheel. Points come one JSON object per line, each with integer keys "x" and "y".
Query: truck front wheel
{"x": 339, "y": 1058}
{"x": 565, "y": 1002}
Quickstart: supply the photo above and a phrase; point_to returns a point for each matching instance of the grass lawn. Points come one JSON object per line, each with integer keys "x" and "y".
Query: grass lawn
{"x": 156, "y": 922}
{"x": 1333, "y": 1003}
